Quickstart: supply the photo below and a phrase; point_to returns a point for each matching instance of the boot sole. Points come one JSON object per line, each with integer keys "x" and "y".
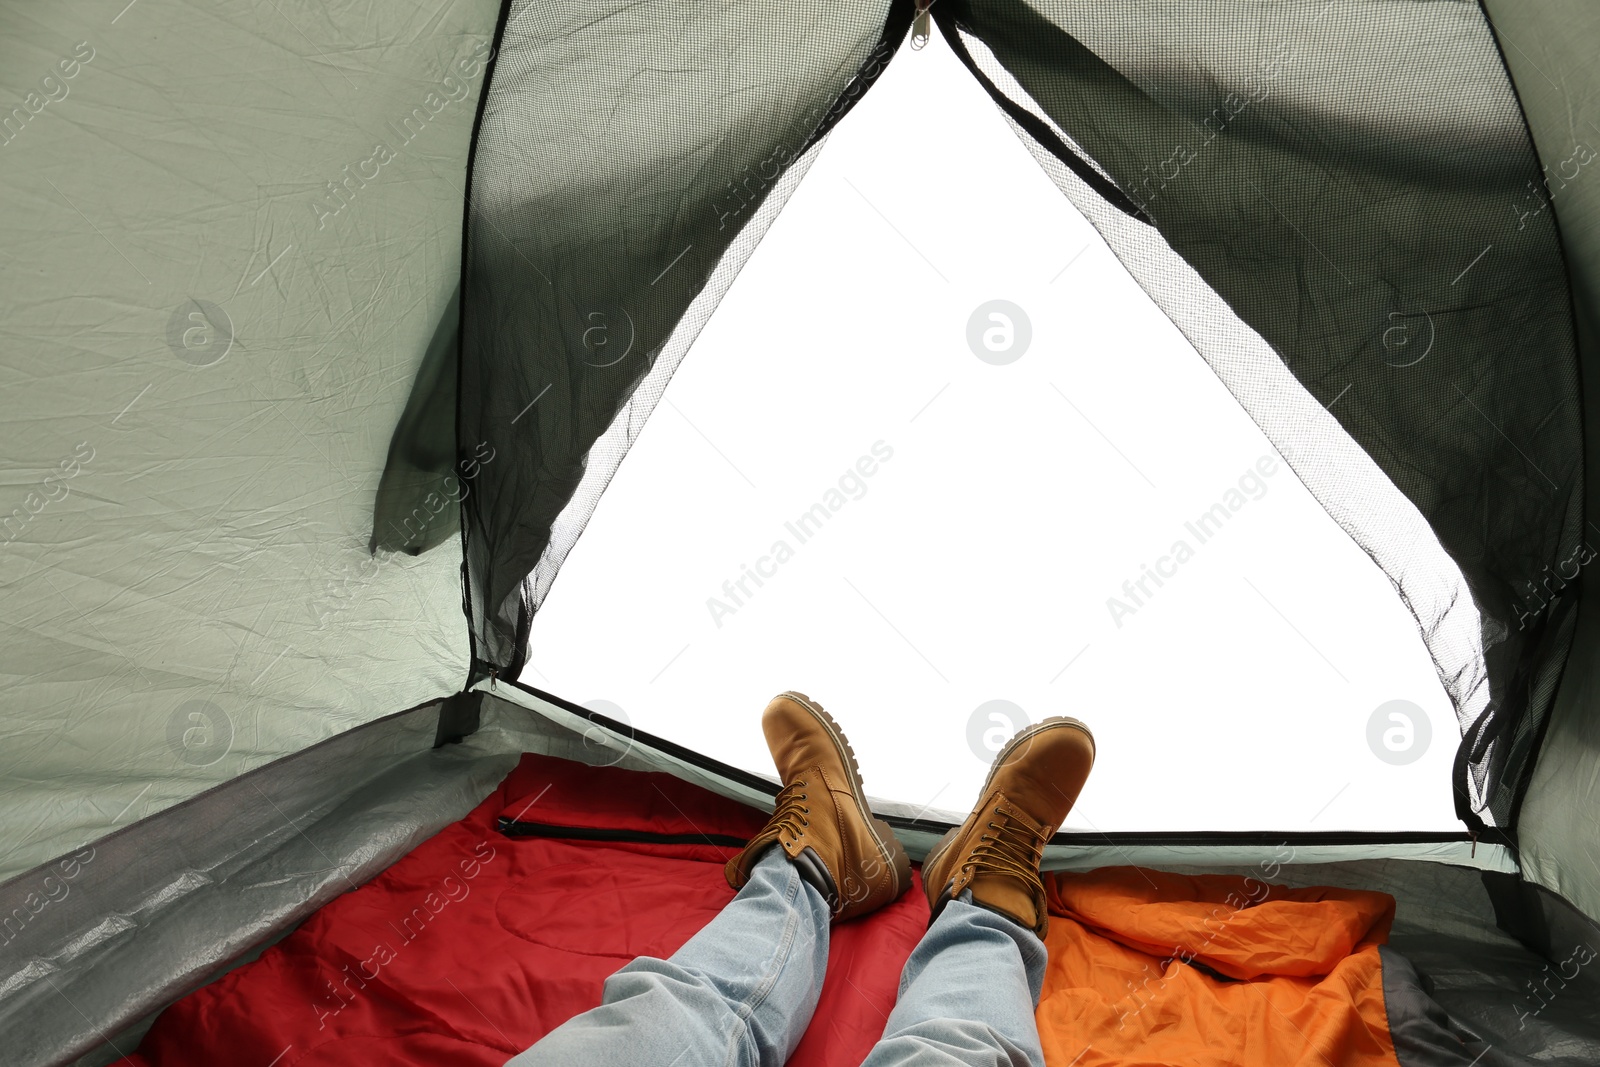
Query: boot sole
{"x": 1023, "y": 736}
{"x": 889, "y": 847}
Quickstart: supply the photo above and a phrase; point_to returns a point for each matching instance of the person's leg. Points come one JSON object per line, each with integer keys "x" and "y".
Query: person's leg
{"x": 969, "y": 990}
{"x": 739, "y": 992}
{"x": 742, "y": 990}
{"x": 967, "y": 995}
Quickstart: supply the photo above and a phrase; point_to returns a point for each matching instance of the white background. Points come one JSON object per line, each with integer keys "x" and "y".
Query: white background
{"x": 978, "y": 563}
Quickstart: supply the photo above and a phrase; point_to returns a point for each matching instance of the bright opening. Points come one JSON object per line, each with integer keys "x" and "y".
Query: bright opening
{"x": 940, "y": 515}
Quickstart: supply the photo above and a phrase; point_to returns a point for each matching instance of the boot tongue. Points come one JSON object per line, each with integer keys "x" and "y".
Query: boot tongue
{"x": 1018, "y": 841}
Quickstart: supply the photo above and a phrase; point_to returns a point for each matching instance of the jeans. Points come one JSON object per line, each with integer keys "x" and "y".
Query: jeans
{"x": 740, "y": 993}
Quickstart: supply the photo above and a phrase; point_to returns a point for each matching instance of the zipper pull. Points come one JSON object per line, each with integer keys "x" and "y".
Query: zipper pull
{"x": 921, "y": 26}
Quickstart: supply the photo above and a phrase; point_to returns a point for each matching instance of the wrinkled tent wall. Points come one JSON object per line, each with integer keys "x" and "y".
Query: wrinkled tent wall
{"x": 622, "y": 149}
{"x": 1550, "y": 50}
{"x": 1345, "y": 176}
{"x": 218, "y": 290}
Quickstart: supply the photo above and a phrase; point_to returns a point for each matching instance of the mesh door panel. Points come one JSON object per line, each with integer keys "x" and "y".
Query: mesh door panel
{"x": 1352, "y": 181}
{"x": 623, "y": 149}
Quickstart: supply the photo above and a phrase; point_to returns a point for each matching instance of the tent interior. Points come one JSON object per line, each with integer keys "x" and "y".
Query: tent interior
{"x": 325, "y": 326}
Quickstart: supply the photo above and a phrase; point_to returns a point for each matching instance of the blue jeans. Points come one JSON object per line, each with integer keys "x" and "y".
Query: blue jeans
{"x": 740, "y": 993}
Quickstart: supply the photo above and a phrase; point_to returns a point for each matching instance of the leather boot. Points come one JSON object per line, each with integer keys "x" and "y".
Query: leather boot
{"x": 821, "y": 819}
{"x": 1032, "y": 784}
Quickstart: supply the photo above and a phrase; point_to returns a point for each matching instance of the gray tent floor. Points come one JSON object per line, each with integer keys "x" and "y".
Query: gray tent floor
{"x": 348, "y": 822}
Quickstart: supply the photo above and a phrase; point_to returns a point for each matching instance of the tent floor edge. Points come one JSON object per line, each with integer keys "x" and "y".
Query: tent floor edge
{"x": 284, "y": 829}
{"x": 1543, "y": 920}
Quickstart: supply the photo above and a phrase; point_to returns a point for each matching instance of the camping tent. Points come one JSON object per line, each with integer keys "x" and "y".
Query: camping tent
{"x": 322, "y": 322}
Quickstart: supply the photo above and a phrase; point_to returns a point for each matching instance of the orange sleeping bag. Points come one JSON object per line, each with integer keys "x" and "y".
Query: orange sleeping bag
{"x": 1151, "y": 969}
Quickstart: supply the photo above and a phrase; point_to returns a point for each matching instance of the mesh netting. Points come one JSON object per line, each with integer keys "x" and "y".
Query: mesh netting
{"x": 622, "y": 161}
{"x": 1333, "y": 204}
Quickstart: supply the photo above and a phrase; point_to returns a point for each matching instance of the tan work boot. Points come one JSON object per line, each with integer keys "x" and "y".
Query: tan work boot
{"x": 1031, "y": 786}
{"x": 821, "y": 820}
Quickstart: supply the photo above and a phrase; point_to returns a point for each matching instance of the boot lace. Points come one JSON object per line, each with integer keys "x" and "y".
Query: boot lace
{"x": 1011, "y": 848}
{"x": 791, "y": 810}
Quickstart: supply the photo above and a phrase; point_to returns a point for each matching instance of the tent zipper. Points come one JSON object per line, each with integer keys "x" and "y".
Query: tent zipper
{"x": 921, "y": 25}
{"x": 517, "y": 828}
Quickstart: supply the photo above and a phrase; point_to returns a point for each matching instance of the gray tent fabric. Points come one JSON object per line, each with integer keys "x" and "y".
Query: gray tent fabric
{"x": 1559, "y": 845}
{"x": 1550, "y": 50}
{"x": 230, "y": 229}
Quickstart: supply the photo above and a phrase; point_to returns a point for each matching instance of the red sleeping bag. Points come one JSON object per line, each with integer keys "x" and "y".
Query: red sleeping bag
{"x": 480, "y": 941}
